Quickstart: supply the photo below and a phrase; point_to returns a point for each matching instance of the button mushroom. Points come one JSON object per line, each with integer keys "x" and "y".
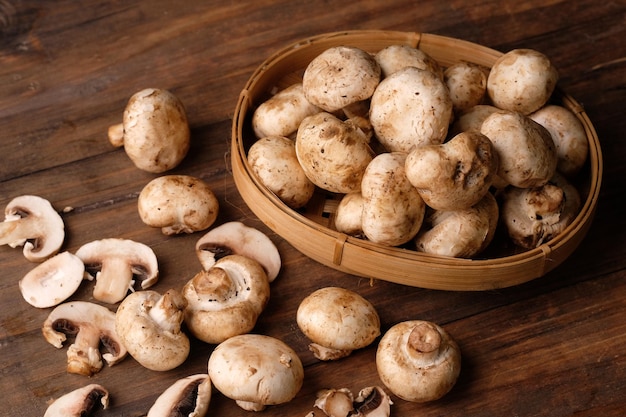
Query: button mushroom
{"x": 236, "y": 238}
{"x": 227, "y": 299}
{"x": 187, "y": 397}
{"x": 393, "y": 58}
{"x": 467, "y": 83}
{"x": 92, "y": 326}
{"x": 256, "y": 371}
{"x": 177, "y": 204}
{"x": 418, "y": 361}
{"x": 154, "y": 132}
{"x": 32, "y": 222}
{"x": 116, "y": 263}
{"x": 80, "y": 402}
{"x": 349, "y": 214}
{"x": 149, "y": 325}
{"x": 337, "y": 321}
{"x": 52, "y": 281}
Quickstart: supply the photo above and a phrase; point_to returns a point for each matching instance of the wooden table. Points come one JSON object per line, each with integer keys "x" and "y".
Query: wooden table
{"x": 553, "y": 346}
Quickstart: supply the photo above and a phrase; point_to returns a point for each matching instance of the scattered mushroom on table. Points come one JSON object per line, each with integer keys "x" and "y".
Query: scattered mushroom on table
{"x": 187, "y": 397}
{"x": 80, "y": 402}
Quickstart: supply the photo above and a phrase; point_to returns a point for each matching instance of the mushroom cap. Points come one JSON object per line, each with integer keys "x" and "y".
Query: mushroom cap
{"x": 227, "y": 299}
{"x": 418, "y": 361}
{"x": 178, "y": 204}
{"x": 79, "y": 402}
{"x": 32, "y": 222}
{"x": 92, "y": 325}
{"x": 256, "y": 370}
{"x": 521, "y": 80}
{"x": 149, "y": 326}
{"x": 393, "y": 58}
{"x": 52, "y": 281}
{"x": 471, "y": 119}
{"x": 338, "y": 318}
{"x": 332, "y": 153}
{"x": 467, "y": 83}
{"x": 117, "y": 262}
{"x": 409, "y": 108}
{"x": 188, "y": 397}
{"x": 340, "y": 76}
{"x": 349, "y": 214}
{"x": 274, "y": 161}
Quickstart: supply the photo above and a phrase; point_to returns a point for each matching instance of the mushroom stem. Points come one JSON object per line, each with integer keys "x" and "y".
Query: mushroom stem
{"x": 424, "y": 342}
{"x": 214, "y": 284}
{"x": 83, "y": 357}
{"x": 14, "y": 231}
{"x": 113, "y": 281}
{"x": 250, "y": 406}
{"x": 167, "y": 312}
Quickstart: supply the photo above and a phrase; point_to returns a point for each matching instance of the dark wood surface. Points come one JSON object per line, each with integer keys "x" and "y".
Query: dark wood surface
{"x": 551, "y": 347}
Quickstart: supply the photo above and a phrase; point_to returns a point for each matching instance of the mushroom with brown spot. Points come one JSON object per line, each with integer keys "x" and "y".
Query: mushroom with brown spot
{"x": 371, "y": 401}
{"x": 418, "y": 361}
{"x": 178, "y": 204}
{"x": 93, "y": 328}
{"x": 116, "y": 264}
{"x": 395, "y": 57}
{"x": 187, "y": 397}
{"x": 467, "y": 83}
{"x": 31, "y": 221}
{"x": 337, "y": 321}
{"x": 80, "y": 402}
{"x": 256, "y": 371}
{"x": 227, "y": 299}
{"x": 149, "y": 325}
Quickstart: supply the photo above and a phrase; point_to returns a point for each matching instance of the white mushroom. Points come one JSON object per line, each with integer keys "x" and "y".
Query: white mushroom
{"x": 149, "y": 325}
{"x": 227, "y": 299}
{"x": 52, "y": 281}
{"x": 32, "y": 222}
{"x": 178, "y": 204}
{"x": 116, "y": 263}
{"x": 93, "y": 327}
{"x": 256, "y": 371}
{"x": 187, "y": 397}
{"x": 393, "y": 58}
{"x": 80, "y": 402}
{"x": 418, "y": 361}
{"x": 154, "y": 132}
{"x": 236, "y": 238}
{"x": 471, "y": 119}
{"x": 467, "y": 83}
{"x": 337, "y": 321}
{"x": 349, "y": 214}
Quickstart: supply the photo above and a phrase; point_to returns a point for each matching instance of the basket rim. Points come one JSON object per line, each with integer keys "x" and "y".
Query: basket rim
{"x": 543, "y": 255}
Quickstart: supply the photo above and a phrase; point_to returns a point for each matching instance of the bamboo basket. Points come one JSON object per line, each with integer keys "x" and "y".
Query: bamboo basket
{"x": 310, "y": 229}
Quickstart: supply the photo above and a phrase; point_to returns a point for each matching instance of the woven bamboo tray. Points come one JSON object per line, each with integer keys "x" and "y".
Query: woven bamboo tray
{"x": 310, "y": 230}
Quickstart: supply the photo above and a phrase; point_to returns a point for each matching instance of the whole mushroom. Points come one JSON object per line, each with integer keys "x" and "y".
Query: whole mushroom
{"x": 337, "y": 321}
{"x": 256, "y": 371}
{"x": 154, "y": 132}
{"x": 467, "y": 83}
{"x": 393, "y": 58}
{"x": 80, "y": 402}
{"x": 418, "y": 361}
{"x": 349, "y": 214}
{"x": 178, "y": 204}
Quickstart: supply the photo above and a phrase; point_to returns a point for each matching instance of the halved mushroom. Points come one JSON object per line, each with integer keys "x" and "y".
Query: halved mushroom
{"x": 335, "y": 402}
{"x": 116, "y": 263}
{"x": 52, "y": 281}
{"x": 418, "y": 361}
{"x": 149, "y": 325}
{"x": 32, "y": 222}
{"x": 236, "y": 238}
{"x": 187, "y": 397}
{"x": 256, "y": 371}
{"x": 227, "y": 299}
{"x": 337, "y": 321}
{"x": 80, "y": 402}
{"x": 370, "y": 402}
{"x": 93, "y": 327}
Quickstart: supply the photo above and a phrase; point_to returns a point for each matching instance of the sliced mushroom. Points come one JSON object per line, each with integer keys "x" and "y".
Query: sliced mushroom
{"x": 256, "y": 371}
{"x": 236, "y": 238}
{"x": 52, "y": 281}
{"x": 80, "y": 402}
{"x": 337, "y": 321}
{"x": 372, "y": 402}
{"x": 116, "y": 263}
{"x": 93, "y": 328}
{"x": 227, "y": 299}
{"x": 187, "y": 397}
{"x": 32, "y": 222}
{"x": 149, "y": 325}
{"x": 335, "y": 402}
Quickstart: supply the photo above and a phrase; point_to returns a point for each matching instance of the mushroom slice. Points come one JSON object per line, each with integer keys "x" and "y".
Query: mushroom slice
{"x": 116, "y": 262}
{"x": 79, "y": 403}
{"x": 92, "y": 325}
{"x": 235, "y": 238}
{"x": 418, "y": 361}
{"x": 227, "y": 299}
{"x": 372, "y": 402}
{"x": 149, "y": 325}
{"x": 188, "y": 397}
{"x": 32, "y": 222}
{"x": 256, "y": 371}
{"x": 337, "y": 321}
{"x": 52, "y": 281}
{"x": 335, "y": 402}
